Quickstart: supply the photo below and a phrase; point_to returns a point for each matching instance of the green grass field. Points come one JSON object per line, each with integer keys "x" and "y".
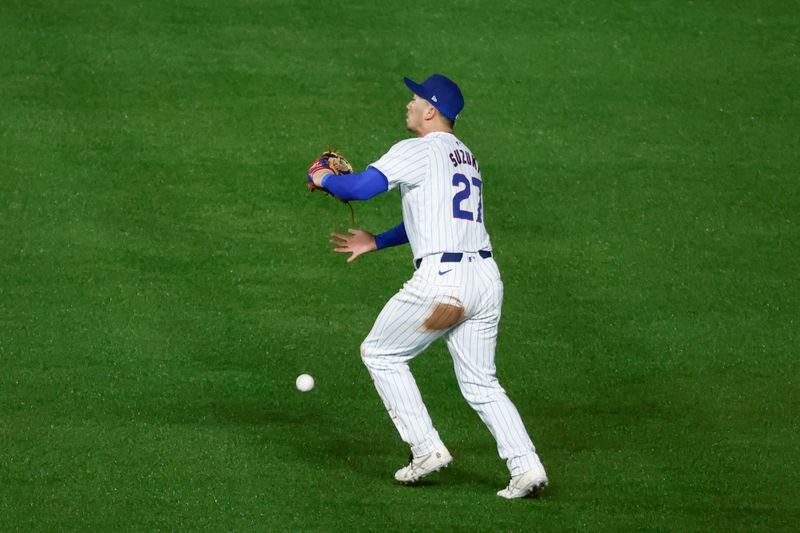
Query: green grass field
{"x": 164, "y": 276}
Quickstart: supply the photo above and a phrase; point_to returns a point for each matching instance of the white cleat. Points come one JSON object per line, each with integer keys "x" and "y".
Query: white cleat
{"x": 531, "y": 483}
{"x": 419, "y": 467}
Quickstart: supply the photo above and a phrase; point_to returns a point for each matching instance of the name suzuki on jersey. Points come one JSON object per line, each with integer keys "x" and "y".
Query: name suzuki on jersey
{"x": 463, "y": 157}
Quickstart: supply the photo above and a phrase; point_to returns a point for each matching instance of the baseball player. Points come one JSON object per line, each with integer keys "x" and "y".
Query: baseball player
{"x": 455, "y": 293}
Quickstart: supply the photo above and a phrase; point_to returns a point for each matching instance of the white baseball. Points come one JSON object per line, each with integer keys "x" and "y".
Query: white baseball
{"x": 304, "y": 382}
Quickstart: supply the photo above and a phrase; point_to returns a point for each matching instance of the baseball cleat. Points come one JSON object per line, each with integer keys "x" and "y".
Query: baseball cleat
{"x": 531, "y": 483}
{"x": 419, "y": 467}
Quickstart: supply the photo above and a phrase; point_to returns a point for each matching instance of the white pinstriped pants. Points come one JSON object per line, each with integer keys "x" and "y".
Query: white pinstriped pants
{"x": 399, "y": 334}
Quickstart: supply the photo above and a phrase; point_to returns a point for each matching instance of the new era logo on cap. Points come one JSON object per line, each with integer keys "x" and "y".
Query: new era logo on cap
{"x": 440, "y": 91}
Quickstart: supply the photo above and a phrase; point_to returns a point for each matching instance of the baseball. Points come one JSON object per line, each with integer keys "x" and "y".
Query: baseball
{"x": 304, "y": 382}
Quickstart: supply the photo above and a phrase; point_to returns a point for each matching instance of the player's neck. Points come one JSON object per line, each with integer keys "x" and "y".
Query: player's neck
{"x": 433, "y": 128}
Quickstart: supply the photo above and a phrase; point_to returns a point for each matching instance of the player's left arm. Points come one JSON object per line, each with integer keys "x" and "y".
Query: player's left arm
{"x": 361, "y": 186}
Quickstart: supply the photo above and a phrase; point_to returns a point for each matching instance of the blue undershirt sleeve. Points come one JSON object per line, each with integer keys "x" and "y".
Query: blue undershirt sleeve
{"x": 393, "y": 237}
{"x": 360, "y": 186}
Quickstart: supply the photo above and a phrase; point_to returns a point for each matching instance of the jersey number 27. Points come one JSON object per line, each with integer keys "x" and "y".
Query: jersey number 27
{"x": 464, "y": 193}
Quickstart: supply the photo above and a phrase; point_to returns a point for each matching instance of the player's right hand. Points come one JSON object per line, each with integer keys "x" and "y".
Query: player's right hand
{"x": 357, "y": 243}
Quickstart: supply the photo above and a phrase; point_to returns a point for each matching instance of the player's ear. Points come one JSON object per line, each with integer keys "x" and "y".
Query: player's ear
{"x": 430, "y": 113}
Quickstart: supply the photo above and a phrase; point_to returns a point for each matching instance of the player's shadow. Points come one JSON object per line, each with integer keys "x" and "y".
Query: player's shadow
{"x": 258, "y": 416}
{"x": 372, "y": 457}
{"x": 311, "y": 436}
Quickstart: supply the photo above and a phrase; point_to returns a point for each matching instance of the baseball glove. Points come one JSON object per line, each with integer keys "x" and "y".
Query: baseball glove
{"x": 334, "y": 161}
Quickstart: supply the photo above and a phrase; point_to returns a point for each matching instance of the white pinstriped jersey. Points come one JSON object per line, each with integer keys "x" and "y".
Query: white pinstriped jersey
{"x": 442, "y": 193}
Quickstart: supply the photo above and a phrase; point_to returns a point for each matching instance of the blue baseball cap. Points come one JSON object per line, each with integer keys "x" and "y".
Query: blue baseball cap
{"x": 441, "y": 92}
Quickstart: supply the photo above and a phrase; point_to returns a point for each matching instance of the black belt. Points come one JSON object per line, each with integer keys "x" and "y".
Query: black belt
{"x": 455, "y": 257}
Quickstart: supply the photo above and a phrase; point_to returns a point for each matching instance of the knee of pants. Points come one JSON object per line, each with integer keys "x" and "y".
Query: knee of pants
{"x": 376, "y": 359}
{"x": 369, "y": 355}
